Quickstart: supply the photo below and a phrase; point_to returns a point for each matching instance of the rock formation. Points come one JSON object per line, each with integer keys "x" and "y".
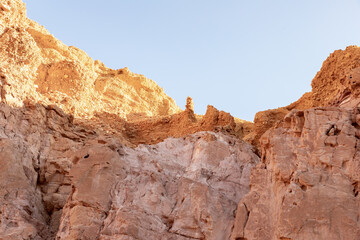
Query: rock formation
{"x": 336, "y": 84}
{"x": 308, "y": 177}
{"x": 36, "y": 66}
{"x": 87, "y": 152}
{"x": 306, "y": 186}
{"x": 185, "y": 188}
{"x": 63, "y": 179}
{"x": 72, "y": 156}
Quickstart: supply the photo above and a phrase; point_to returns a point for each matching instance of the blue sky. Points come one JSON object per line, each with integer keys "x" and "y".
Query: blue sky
{"x": 239, "y": 56}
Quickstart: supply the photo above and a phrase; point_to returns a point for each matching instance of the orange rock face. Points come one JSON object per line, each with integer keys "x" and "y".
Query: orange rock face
{"x": 336, "y": 84}
{"x": 36, "y": 66}
{"x": 154, "y": 130}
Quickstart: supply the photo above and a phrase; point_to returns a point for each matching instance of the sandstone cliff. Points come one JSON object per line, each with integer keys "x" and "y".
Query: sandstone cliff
{"x": 336, "y": 84}
{"x": 66, "y": 180}
{"x": 36, "y": 66}
{"x": 87, "y": 152}
{"x": 306, "y": 186}
{"x": 73, "y": 159}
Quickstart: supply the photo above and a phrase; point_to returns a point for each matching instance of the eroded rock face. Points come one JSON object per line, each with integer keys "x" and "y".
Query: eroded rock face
{"x": 184, "y": 188}
{"x": 62, "y": 178}
{"x": 116, "y": 158}
{"x": 263, "y": 121}
{"x": 306, "y": 186}
{"x": 336, "y": 84}
{"x": 35, "y": 66}
{"x": 35, "y": 143}
{"x": 155, "y": 130}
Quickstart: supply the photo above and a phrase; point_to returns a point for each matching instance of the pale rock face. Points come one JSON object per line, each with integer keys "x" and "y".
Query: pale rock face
{"x": 22, "y": 215}
{"x": 33, "y": 143}
{"x": 185, "y": 188}
{"x": 307, "y": 184}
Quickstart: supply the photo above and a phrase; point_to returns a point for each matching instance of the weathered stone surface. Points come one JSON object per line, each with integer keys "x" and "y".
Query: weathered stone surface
{"x": 35, "y": 143}
{"x": 35, "y": 66}
{"x": 57, "y": 172}
{"x": 179, "y": 189}
{"x": 336, "y": 84}
{"x": 22, "y": 214}
{"x": 263, "y": 121}
{"x": 306, "y": 186}
{"x": 76, "y": 160}
{"x": 333, "y": 84}
{"x": 156, "y": 129}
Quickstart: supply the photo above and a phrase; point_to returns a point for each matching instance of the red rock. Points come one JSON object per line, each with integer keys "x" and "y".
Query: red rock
{"x": 307, "y": 180}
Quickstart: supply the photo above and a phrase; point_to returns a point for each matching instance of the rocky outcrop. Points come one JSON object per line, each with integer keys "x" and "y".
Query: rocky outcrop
{"x": 263, "y": 121}
{"x": 336, "y": 84}
{"x": 156, "y": 129}
{"x": 87, "y": 152}
{"x": 178, "y": 189}
{"x": 61, "y": 178}
{"x": 37, "y": 67}
{"x": 72, "y": 157}
{"x": 306, "y": 186}
{"x": 35, "y": 143}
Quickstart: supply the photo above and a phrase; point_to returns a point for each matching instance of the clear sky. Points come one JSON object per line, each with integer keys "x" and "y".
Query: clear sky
{"x": 240, "y": 56}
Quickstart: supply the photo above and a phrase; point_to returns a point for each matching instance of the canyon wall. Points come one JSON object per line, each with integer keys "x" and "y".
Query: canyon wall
{"x": 306, "y": 186}
{"x": 88, "y": 152}
{"x": 65, "y": 180}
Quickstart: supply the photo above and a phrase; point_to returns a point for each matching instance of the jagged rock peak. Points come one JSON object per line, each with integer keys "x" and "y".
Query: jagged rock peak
{"x": 336, "y": 83}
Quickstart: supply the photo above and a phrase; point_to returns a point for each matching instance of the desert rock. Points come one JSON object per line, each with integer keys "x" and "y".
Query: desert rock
{"x": 182, "y": 188}
{"x": 60, "y": 178}
{"x": 336, "y": 84}
{"x": 35, "y": 66}
{"x": 307, "y": 180}
{"x": 88, "y": 152}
